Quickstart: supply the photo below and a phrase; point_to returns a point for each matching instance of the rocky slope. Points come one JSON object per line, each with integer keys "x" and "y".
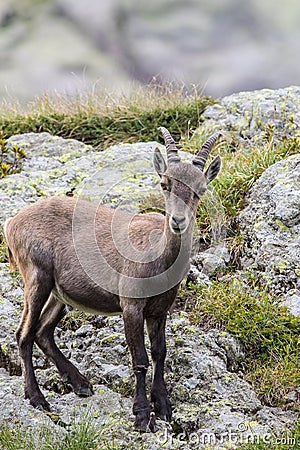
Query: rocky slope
{"x": 210, "y": 398}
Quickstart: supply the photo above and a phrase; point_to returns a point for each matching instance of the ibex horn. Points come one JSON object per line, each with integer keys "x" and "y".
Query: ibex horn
{"x": 172, "y": 152}
{"x": 201, "y": 157}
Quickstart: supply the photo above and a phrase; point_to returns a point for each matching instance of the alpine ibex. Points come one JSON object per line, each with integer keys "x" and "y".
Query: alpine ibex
{"x": 106, "y": 261}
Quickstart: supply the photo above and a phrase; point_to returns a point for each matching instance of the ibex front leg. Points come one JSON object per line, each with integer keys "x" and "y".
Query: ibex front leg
{"x": 134, "y": 332}
{"x": 159, "y": 396}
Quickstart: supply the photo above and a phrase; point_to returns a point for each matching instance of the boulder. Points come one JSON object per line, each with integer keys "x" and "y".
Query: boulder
{"x": 271, "y": 225}
{"x": 212, "y": 260}
{"x": 121, "y": 176}
{"x": 248, "y": 116}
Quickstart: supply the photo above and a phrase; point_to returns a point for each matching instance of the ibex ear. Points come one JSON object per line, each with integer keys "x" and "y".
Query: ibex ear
{"x": 213, "y": 169}
{"x": 159, "y": 162}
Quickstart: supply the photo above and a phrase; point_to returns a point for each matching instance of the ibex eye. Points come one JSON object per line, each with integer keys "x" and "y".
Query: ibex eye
{"x": 164, "y": 187}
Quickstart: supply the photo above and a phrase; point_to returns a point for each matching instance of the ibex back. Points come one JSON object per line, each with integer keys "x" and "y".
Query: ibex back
{"x": 105, "y": 261}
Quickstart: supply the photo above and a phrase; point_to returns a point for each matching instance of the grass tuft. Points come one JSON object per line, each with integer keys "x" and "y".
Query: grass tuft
{"x": 268, "y": 332}
{"x": 101, "y": 120}
{"x": 240, "y": 169}
{"x": 10, "y": 157}
{"x": 84, "y": 435}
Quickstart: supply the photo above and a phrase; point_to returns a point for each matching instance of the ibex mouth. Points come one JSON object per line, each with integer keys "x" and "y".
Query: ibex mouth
{"x": 177, "y": 225}
{"x": 176, "y": 230}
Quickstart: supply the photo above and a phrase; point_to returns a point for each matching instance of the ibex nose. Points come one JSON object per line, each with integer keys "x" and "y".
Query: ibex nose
{"x": 178, "y": 223}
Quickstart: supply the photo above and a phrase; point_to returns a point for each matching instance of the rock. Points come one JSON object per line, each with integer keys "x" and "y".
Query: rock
{"x": 271, "y": 224}
{"x": 207, "y": 394}
{"x": 84, "y": 330}
{"x": 121, "y": 176}
{"x": 11, "y": 296}
{"x": 195, "y": 276}
{"x": 292, "y": 302}
{"x": 248, "y": 115}
{"x": 213, "y": 259}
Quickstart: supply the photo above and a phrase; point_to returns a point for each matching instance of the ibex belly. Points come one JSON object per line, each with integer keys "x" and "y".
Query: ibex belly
{"x": 99, "y": 306}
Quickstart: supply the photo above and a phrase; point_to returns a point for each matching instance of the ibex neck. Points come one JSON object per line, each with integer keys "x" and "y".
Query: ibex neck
{"x": 178, "y": 245}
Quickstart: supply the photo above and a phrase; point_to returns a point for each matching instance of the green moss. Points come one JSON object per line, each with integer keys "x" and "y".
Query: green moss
{"x": 282, "y": 227}
{"x": 282, "y": 266}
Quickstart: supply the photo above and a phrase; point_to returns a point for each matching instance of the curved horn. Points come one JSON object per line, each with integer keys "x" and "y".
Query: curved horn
{"x": 172, "y": 152}
{"x": 201, "y": 157}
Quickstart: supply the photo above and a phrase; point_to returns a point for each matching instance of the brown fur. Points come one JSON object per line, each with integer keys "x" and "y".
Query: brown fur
{"x": 106, "y": 261}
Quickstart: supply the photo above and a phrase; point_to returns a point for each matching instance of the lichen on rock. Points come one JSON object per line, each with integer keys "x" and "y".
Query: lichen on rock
{"x": 271, "y": 225}
{"x": 248, "y": 116}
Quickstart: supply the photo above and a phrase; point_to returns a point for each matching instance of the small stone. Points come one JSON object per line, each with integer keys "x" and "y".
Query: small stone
{"x": 195, "y": 276}
{"x": 209, "y": 262}
{"x": 292, "y": 302}
{"x": 84, "y": 330}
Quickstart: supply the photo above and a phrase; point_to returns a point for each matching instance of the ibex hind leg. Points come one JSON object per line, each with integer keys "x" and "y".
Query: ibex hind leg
{"x": 52, "y": 313}
{"x": 38, "y": 286}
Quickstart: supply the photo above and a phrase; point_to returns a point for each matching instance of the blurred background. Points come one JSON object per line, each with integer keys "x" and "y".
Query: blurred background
{"x": 222, "y": 46}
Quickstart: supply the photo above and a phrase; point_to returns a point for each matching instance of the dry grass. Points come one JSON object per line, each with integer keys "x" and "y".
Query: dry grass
{"x": 102, "y": 120}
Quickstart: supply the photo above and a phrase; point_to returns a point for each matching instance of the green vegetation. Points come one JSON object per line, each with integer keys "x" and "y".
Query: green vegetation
{"x": 268, "y": 333}
{"x": 103, "y": 121}
{"x": 85, "y": 435}
{"x": 10, "y": 157}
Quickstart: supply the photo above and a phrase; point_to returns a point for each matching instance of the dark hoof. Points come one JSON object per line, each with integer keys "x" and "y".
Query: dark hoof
{"x": 145, "y": 422}
{"x": 166, "y": 417}
{"x": 40, "y": 404}
{"x": 84, "y": 391}
{"x": 162, "y": 409}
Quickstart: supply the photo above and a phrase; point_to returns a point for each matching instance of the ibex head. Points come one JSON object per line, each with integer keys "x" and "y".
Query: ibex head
{"x": 183, "y": 184}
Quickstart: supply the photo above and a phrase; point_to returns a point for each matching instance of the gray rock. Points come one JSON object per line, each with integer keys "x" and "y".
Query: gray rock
{"x": 84, "y": 330}
{"x": 213, "y": 259}
{"x": 11, "y": 296}
{"x": 247, "y": 116}
{"x": 292, "y": 302}
{"x": 196, "y": 276}
{"x": 271, "y": 223}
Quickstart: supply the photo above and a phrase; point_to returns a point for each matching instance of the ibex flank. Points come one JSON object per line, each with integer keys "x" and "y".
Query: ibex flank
{"x": 106, "y": 261}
